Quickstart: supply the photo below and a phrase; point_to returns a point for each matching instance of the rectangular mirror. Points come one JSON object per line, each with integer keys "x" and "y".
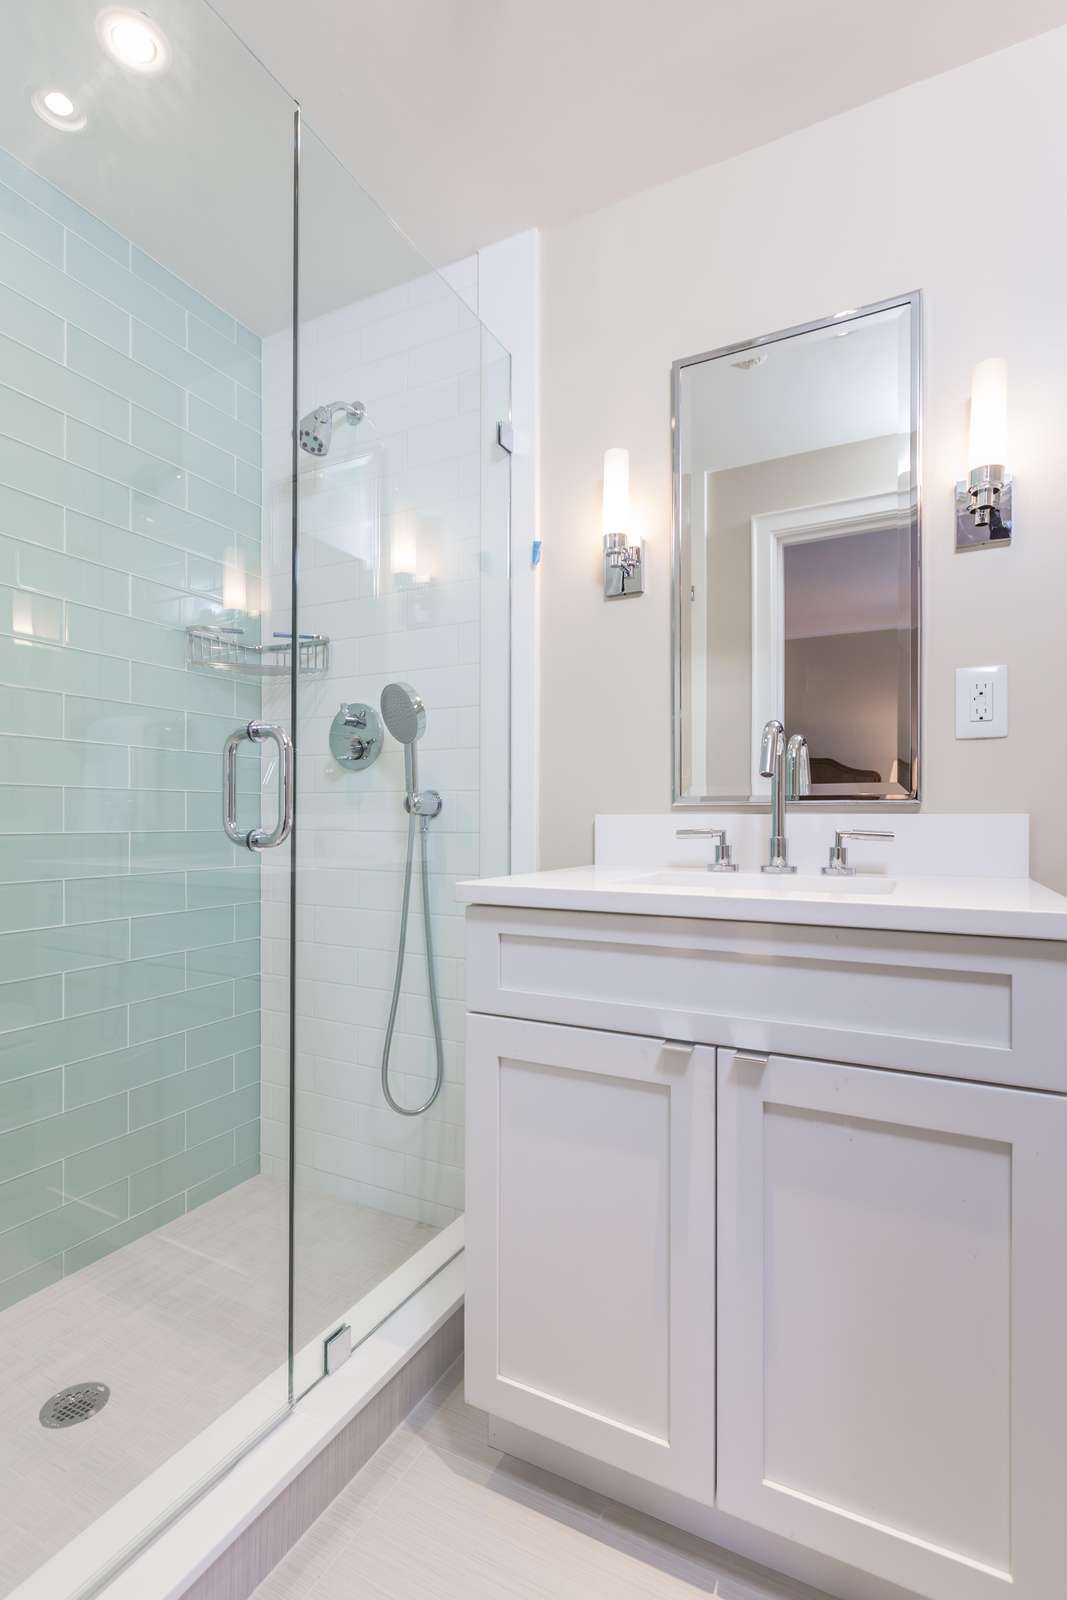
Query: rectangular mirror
{"x": 796, "y": 558}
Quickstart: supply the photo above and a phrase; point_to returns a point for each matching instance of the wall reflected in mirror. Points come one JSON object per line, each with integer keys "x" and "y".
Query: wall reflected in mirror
{"x": 797, "y": 558}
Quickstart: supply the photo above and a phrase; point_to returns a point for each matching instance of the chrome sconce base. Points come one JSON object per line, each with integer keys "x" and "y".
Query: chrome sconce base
{"x": 624, "y": 567}
{"x": 984, "y": 509}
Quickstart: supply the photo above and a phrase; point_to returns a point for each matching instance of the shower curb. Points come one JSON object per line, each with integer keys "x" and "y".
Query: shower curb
{"x": 229, "y": 1540}
{"x": 257, "y": 1551}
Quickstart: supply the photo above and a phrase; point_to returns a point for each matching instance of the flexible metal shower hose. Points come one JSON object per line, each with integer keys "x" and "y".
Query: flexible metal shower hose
{"x": 415, "y": 825}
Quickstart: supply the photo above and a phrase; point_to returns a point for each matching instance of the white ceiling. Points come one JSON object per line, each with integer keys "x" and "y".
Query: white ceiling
{"x": 466, "y": 119}
{"x": 471, "y": 119}
{"x": 810, "y": 392}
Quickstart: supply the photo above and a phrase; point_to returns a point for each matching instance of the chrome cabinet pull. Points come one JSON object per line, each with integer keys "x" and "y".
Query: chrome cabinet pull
{"x": 676, "y": 1052}
{"x": 258, "y": 838}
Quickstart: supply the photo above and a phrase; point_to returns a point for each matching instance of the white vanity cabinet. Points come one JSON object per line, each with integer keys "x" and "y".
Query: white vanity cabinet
{"x": 893, "y": 1322}
{"x": 591, "y": 1243}
{"x": 863, "y": 1262}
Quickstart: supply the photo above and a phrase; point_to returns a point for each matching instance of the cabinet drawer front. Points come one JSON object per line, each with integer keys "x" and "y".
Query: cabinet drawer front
{"x": 590, "y": 1243}
{"x": 892, "y": 1321}
{"x": 962, "y": 1007}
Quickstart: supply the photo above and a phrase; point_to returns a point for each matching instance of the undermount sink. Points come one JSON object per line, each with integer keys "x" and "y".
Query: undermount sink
{"x": 770, "y": 884}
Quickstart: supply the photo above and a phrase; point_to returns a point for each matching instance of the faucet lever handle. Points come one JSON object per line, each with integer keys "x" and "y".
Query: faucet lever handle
{"x": 723, "y": 859}
{"x": 838, "y": 864}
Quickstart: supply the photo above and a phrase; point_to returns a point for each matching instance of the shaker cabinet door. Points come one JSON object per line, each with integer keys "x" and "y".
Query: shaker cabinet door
{"x": 590, "y": 1243}
{"x": 893, "y": 1322}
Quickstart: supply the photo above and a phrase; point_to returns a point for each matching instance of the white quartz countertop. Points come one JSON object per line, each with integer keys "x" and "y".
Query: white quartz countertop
{"x": 1016, "y": 908}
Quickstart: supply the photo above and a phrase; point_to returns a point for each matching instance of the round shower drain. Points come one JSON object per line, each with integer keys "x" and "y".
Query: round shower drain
{"x": 76, "y": 1404}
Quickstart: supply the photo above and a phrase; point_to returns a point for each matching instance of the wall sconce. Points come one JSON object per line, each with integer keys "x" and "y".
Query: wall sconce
{"x": 983, "y": 503}
{"x": 403, "y": 542}
{"x": 234, "y": 581}
{"x": 624, "y": 564}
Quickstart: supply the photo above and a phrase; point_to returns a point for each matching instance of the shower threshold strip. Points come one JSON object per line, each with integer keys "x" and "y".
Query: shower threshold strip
{"x": 162, "y": 1535}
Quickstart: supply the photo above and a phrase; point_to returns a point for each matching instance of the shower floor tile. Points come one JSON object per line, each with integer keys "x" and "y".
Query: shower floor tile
{"x": 180, "y": 1325}
{"x": 438, "y": 1512}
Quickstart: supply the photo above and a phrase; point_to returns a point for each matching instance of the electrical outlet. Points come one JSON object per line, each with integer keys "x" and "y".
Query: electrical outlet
{"x": 981, "y": 702}
{"x": 981, "y": 706}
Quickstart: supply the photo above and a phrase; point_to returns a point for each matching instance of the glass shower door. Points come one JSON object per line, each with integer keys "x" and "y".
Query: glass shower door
{"x": 145, "y": 256}
{"x": 402, "y": 739}
{"x": 188, "y": 579}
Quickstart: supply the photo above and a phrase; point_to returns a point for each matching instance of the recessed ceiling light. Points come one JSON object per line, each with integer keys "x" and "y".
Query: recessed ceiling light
{"x": 58, "y": 110}
{"x": 133, "y": 39}
{"x": 843, "y": 333}
{"x": 850, "y": 312}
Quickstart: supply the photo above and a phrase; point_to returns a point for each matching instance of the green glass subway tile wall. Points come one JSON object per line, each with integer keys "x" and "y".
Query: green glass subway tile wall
{"x": 130, "y": 451}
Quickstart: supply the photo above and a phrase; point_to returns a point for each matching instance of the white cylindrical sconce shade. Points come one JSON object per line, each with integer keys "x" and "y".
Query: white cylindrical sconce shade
{"x": 234, "y": 581}
{"x": 989, "y": 414}
{"x": 616, "y": 490}
{"x": 403, "y": 545}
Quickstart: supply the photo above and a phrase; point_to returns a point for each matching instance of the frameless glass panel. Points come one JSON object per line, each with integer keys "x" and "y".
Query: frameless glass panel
{"x": 796, "y": 540}
{"x": 145, "y": 255}
{"x": 402, "y": 739}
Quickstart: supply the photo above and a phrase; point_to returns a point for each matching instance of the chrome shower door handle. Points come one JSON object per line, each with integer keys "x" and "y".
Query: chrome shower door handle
{"x": 258, "y": 838}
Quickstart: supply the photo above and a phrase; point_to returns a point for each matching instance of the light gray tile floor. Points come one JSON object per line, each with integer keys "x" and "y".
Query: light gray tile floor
{"x": 180, "y": 1325}
{"x": 438, "y": 1514}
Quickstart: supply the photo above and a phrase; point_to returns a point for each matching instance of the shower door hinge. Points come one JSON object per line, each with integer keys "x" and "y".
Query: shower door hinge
{"x": 505, "y": 436}
{"x": 336, "y": 1349}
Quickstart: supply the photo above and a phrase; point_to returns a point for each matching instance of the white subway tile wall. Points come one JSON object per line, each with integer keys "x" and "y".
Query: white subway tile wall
{"x": 401, "y": 568}
{"x": 129, "y": 926}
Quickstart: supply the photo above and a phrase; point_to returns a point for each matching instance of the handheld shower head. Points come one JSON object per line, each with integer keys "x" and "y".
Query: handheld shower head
{"x": 316, "y": 429}
{"x": 405, "y": 716}
{"x": 403, "y": 712}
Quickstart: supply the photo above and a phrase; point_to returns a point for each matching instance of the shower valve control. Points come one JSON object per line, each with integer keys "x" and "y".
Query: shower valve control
{"x": 356, "y": 736}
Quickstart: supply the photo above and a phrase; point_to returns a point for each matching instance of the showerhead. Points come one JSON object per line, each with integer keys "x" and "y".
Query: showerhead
{"x": 405, "y": 716}
{"x": 403, "y": 713}
{"x": 316, "y": 429}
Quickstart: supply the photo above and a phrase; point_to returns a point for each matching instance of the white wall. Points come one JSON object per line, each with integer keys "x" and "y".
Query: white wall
{"x": 883, "y": 199}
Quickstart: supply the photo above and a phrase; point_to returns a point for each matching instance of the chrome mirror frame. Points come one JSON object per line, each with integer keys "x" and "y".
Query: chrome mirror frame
{"x": 911, "y": 801}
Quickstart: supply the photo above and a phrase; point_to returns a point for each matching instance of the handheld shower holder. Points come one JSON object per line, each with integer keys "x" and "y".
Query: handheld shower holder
{"x": 425, "y": 803}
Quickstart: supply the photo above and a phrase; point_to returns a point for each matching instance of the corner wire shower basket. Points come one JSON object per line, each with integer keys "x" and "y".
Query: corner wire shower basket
{"x": 226, "y": 650}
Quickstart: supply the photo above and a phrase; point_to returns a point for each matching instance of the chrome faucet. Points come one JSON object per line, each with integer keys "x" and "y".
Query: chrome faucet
{"x": 788, "y": 768}
{"x": 797, "y": 767}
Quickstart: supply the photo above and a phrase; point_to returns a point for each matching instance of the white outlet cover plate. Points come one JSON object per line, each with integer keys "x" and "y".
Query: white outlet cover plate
{"x": 969, "y": 681}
